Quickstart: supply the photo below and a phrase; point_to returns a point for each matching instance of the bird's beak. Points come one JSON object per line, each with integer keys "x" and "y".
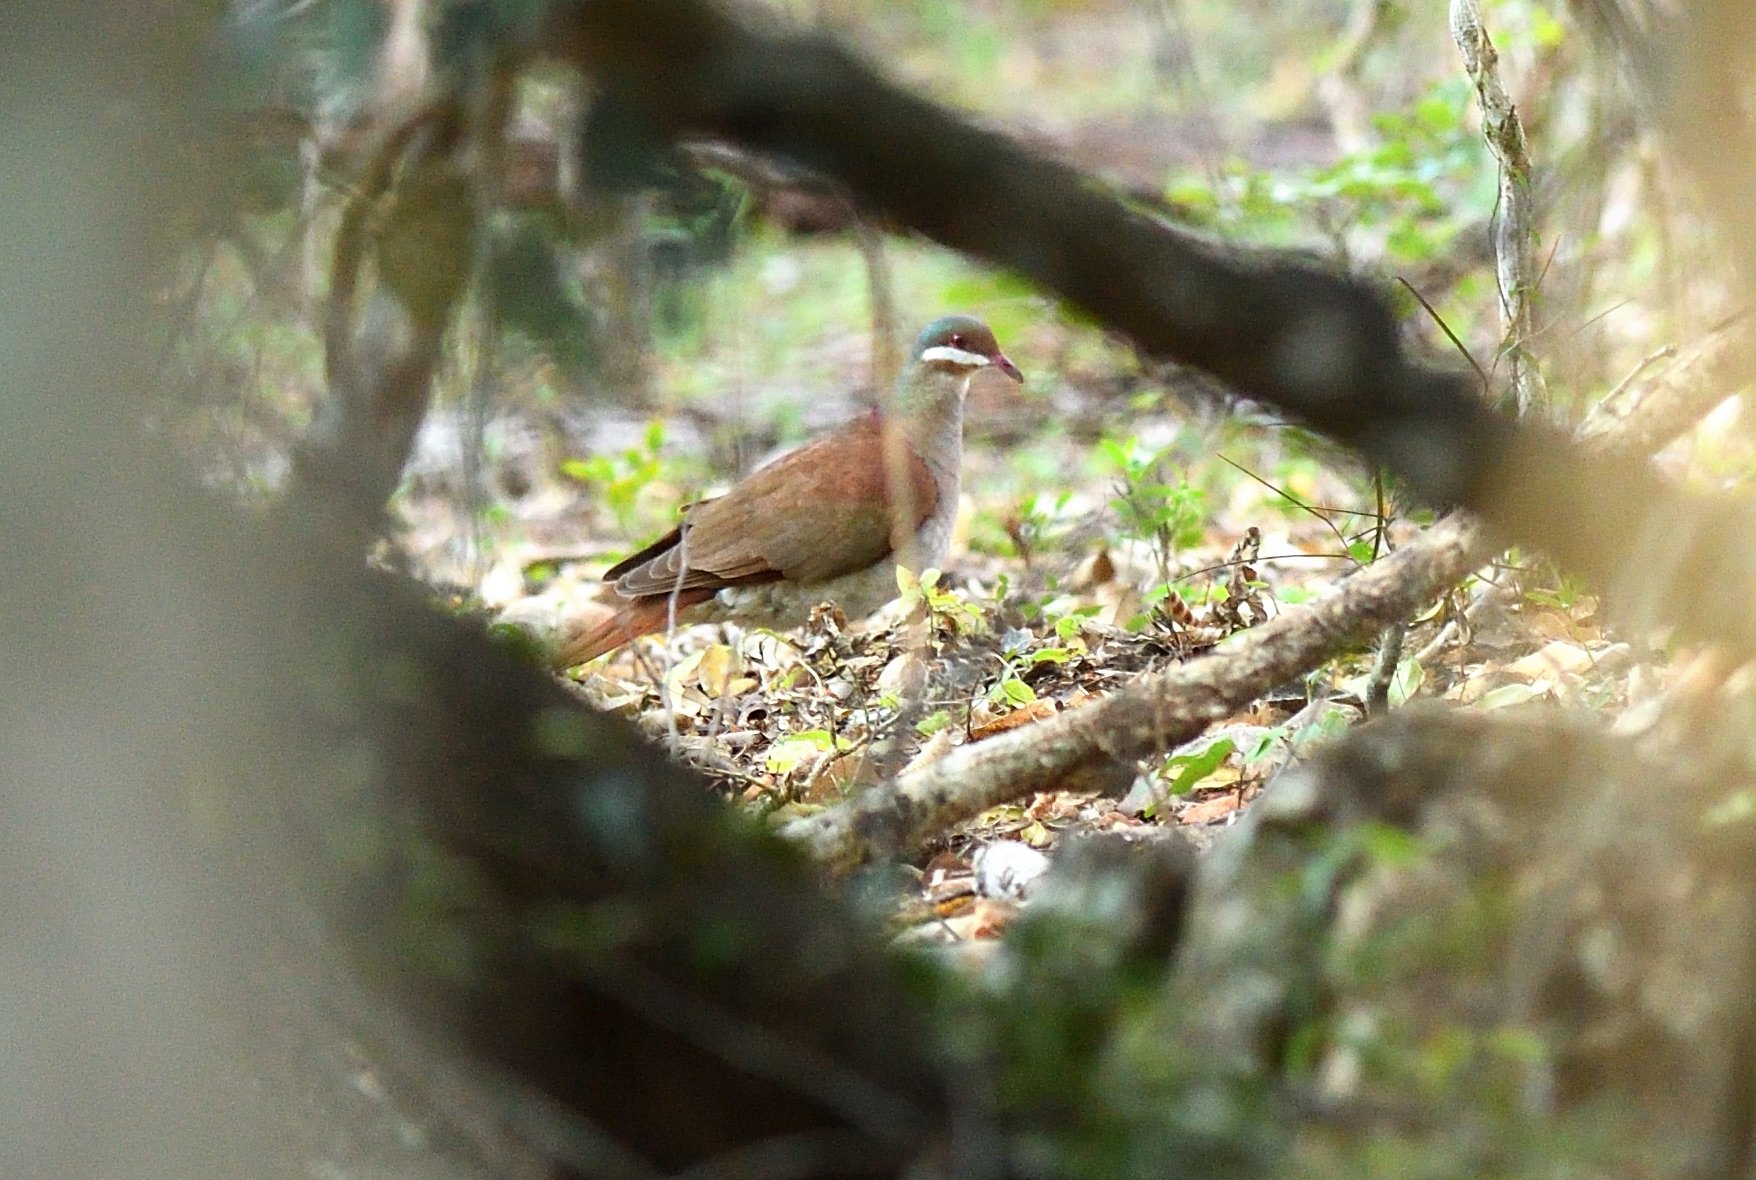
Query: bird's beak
{"x": 1005, "y": 365}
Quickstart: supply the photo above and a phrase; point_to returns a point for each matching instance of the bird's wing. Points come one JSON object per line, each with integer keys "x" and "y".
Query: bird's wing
{"x": 815, "y": 514}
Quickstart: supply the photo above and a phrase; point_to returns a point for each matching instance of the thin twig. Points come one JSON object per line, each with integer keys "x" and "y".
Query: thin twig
{"x": 1318, "y": 513}
{"x": 1515, "y": 240}
{"x": 886, "y": 357}
{"x": 1384, "y": 667}
{"x": 1433, "y": 314}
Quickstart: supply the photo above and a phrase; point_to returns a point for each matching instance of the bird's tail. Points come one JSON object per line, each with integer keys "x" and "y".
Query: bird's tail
{"x": 643, "y": 616}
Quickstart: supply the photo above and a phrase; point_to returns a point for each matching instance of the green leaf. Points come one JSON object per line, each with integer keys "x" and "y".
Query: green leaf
{"x": 933, "y": 722}
{"x": 1192, "y": 768}
{"x": 1264, "y": 745}
{"x": 1406, "y": 682}
{"x": 1738, "y": 807}
{"x": 1510, "y": 694}
{"x": 786, "y": 754}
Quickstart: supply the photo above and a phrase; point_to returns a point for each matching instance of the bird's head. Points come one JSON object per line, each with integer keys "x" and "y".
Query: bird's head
{"x": 961, "y": 345}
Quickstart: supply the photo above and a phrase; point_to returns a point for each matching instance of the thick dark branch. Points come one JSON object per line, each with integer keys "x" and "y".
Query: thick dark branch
{"x": 1275, "y": 325}
{"x": 221, "y": 731}
{"x": 518, "y": 882}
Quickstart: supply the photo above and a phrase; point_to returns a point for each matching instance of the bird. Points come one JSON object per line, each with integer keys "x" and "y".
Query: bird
{"x": 828, "y": 522}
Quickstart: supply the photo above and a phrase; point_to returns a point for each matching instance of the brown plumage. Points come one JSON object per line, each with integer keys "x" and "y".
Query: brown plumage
{"x": 644, "y": 616}
{"x": 822, "y": 523}
{"x": 811, "y": 515}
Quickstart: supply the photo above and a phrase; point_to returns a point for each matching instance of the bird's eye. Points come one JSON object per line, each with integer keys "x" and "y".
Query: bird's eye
{"x": 957, "y": 340}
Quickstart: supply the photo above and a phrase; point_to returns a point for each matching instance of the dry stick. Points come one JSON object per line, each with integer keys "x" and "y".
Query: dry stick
{"x": 1390, "y": 640}
{"x": 1160, "y": 711}
{"x": 353, "y": 239}
{"x": 310, "y": 205}
{"x": 1384, "y": 666}
{"x": 886, "y": 368}
{"x": 1515, "y": 248}
{"x": 886, "y": 356}
{"x": 1515, "y": 244}
{"x": 1481, "y": 598}
{"x": 493, "y": 106}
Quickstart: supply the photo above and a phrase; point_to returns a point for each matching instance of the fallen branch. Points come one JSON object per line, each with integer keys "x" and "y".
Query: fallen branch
{"x": 1164, "y": 710}
{"x": 1154, "y": 714}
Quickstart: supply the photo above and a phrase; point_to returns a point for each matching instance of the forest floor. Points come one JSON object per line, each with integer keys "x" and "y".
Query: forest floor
{"x": 1085, "y": 556}
{"x": 1117, "y": 517}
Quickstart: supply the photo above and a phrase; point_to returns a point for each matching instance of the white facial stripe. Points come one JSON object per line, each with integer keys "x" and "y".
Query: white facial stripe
{"x": 954, "y": 356}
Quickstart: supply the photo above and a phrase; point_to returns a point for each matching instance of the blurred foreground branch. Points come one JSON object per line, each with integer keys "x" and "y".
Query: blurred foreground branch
{"x": 412, "y": 221}
{"x": 222, "y": 736}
